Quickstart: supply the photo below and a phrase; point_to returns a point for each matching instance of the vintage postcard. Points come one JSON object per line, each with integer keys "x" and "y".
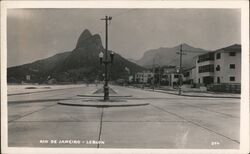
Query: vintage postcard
{"x": 125, "y": 77}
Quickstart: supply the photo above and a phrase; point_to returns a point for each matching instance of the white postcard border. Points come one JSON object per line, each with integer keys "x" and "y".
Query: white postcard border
{"x": 244, "y": 120}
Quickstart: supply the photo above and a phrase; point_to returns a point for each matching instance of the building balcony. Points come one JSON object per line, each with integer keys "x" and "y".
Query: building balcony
{"x": 206, "y": 57}
{"x": 206, "y": 74}
{"x": 206, "y": 68}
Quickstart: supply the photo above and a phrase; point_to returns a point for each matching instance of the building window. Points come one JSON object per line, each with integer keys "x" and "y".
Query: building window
{"x": 232, "y": 66}
{"x": 232, "y": 53}
{"x": 218, "y": 56}
{"x": 217, "y": 68}
{"x": 186, "y": 74}
{"x": 206, "y": 57}
{"x": 199, "y": 81}
{"x": 218, "y": 79}
{"x": 206, "y": 68}
{"x": 232, "y": 78}
{"x": 176, "y": 76}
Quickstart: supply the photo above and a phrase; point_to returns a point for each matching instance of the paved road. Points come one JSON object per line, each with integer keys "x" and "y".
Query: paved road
{"x": 169, "y": 121}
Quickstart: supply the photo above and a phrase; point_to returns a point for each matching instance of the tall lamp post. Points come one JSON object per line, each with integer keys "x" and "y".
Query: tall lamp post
{"x": 106, "y": 62}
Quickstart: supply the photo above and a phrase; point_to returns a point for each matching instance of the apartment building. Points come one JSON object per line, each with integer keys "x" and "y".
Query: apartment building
{"x": 220, "y": 66}
{"x": 143, "y": 77}
{"x": 189, "y": 75}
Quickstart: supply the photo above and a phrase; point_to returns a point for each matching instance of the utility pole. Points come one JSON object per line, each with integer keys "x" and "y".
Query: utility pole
{"x": 106, "y": 87}
{"x": 153, "y": 74}
{"x": 143, "y": 79}
{"x": 159, "y": 83}
{"x": 180, "y": 69}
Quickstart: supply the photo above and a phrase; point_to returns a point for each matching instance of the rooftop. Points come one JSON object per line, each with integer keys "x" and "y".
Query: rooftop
{"x": 232, "y": 48}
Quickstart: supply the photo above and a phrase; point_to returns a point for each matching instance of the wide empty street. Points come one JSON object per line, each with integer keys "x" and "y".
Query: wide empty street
{"x": 36, "y": 119}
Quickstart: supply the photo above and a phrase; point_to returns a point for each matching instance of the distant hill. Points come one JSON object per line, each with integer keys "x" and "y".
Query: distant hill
{"x": 168, "y": 56}
{"x": 132, "y": 60}
{"x": 81, "y": 64}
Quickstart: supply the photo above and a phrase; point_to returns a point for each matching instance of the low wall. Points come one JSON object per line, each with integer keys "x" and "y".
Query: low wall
{"x": 230, "y": 88}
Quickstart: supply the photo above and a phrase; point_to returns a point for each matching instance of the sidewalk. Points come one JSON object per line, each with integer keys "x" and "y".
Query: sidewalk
{"x": 193, "y": 93}
{"x": 32, "y": 88}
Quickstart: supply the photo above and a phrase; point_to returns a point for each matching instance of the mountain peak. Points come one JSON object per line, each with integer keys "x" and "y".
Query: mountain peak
{"x": 97, "y": 40}
{"x": 82, "y": 64}
{"x": 84, "y": 36}
{"x": 183, "y": 45}
{"x": 167, "y": 56}
{"x": 86, "y": 32}
{"x": 186, "y": 46}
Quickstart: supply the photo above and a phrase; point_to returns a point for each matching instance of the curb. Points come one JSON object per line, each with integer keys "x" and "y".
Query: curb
{"x": 121, "y": 96}
{"x": 39, "y": 100}
{"x": 24, "y": 93}
{"x": 102, "y": 104}
{"x": 194, "y": 95}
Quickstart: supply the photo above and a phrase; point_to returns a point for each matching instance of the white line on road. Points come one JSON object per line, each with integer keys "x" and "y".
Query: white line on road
{"x": 194, "y": 123}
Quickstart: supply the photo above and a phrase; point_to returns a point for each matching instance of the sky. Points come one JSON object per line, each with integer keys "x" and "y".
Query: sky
{"x": 34, "y": 34}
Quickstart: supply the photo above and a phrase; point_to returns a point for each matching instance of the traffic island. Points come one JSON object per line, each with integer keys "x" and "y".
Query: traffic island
{"x": 101, "y": 103}
{"x": 95, "y": 100}
{"x": 100, "y": 92}
{"x": 116, "y": 96}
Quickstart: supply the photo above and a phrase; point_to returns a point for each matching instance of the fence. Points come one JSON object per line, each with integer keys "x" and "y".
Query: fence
{"x": 230, "y": 88}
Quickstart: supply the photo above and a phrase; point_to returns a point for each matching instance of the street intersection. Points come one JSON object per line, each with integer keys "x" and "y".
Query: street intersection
{"x": 168, "y": 121}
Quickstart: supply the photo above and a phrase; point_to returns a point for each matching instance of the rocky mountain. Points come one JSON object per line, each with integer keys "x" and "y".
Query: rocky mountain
{"x": 132, "y": 60}
{"x": 80, "y": 64}
{"x": 169, "y": 56}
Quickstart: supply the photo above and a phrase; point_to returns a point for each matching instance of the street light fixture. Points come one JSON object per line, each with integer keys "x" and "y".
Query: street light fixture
{"x": 180, "y": 80}
{"x": 106, "y": 62}
{"x": 101, "y": 57}
{"x": 112, "y": 57}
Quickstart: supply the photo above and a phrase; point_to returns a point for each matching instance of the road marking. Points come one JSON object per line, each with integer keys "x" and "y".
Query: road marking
{"x": 32, "y": 113}
{"x": 163, "y": 98}
{"x": 100, "y": 130}
{"x": 225, "y": 114}
{"x": 194, "y": 123}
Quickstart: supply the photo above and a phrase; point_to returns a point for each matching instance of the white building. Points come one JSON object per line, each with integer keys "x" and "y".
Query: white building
{"x": 189, "y": 75}
{"x": 171, "y": 76}
{"x": 28, "y": 78}
{"x": 143, "y": 77}
{"x": 220, "y": 66}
